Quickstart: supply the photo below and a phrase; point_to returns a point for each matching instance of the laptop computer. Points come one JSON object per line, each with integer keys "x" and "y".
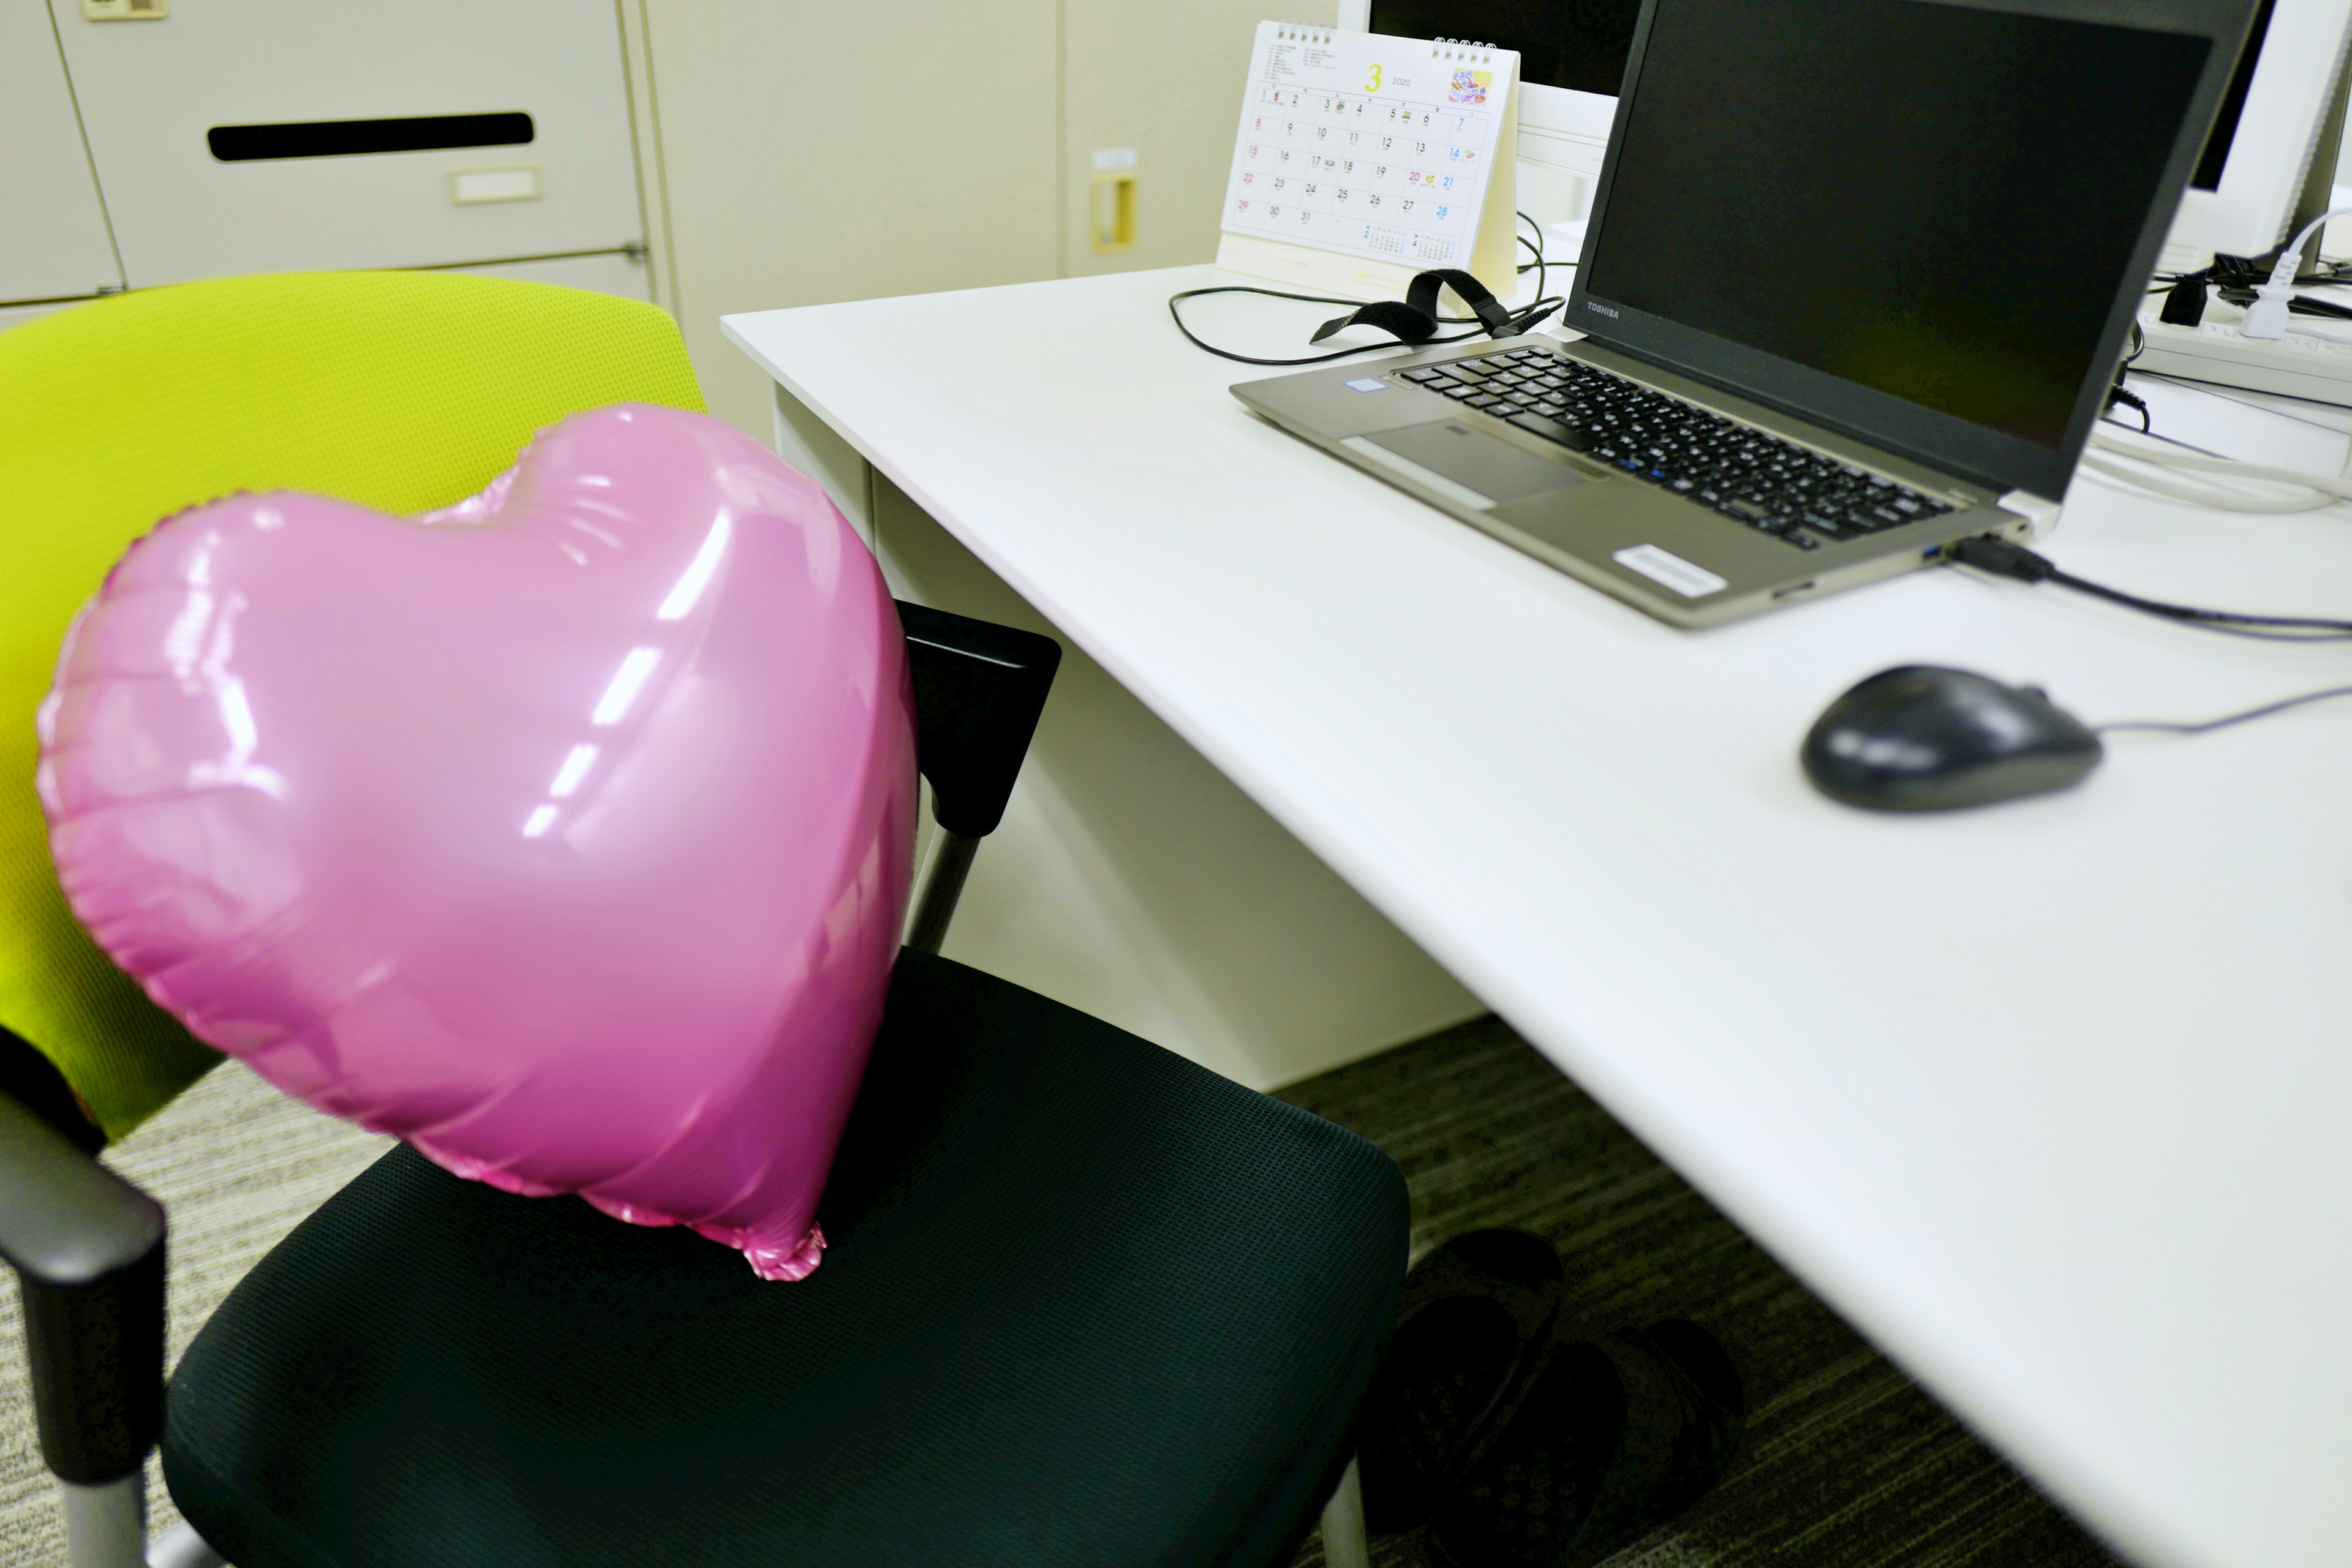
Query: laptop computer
{"x": 1857, "y": 277}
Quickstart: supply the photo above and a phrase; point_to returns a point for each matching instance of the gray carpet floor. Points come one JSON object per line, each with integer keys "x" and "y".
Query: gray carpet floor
{"x": 235, "y": 1165}
{"x": 1847, "y": 1464}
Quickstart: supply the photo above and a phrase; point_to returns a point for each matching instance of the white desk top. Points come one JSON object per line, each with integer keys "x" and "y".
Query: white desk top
{"x": 2049, "y": 1098}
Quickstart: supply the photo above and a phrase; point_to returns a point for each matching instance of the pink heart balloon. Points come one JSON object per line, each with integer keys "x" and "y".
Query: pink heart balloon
{"x": 565, "y": 833}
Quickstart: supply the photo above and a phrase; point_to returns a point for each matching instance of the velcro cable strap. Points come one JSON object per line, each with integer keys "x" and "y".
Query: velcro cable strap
{"x": 1407, "y": 324}
{"x": 1414, "y": 318}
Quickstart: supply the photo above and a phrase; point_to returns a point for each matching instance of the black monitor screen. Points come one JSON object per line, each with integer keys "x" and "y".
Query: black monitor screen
{"x": 1561, "y": 43}
{"x": 2216, "y": 157}
{"x": 1936, "y": 200}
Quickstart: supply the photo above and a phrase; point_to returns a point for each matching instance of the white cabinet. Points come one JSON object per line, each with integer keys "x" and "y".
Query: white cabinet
{"x": 224, "y": 134}
{"x": 53, "y": 239}
{"x": 610, "y": 272}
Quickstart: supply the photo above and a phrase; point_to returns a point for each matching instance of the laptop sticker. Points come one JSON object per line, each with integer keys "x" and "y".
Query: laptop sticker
{"x": 1663, "y": 566}
{"x": 1365, "y": 384}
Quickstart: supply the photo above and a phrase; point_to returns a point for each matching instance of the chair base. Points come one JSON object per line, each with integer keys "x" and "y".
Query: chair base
{"x": 106, "y": 1525}
{"x": 182, "y": 1547}
{"x": 1347, "y": 1543}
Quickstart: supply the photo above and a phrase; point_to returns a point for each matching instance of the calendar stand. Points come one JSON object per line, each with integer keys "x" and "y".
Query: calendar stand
{"x": 1342, "y": 260}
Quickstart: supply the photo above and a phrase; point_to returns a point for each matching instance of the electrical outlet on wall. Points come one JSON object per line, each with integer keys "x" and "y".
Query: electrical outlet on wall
{"x": 126, "y": 10}
{"x": 1114, "y": 200}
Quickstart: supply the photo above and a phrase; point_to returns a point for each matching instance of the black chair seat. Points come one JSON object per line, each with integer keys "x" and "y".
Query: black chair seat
{"x": 1085, "y": 1303}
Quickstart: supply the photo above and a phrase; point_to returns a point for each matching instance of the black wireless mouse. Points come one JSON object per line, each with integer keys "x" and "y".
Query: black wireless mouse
{"x": 1923, "y": 738}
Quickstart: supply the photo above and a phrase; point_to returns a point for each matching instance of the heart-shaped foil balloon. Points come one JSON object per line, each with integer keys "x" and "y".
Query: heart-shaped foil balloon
{"x": 565, "y": 833}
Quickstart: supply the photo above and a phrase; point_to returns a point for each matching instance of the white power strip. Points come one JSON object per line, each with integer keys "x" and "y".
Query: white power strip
{"x": 2299, "y": 365}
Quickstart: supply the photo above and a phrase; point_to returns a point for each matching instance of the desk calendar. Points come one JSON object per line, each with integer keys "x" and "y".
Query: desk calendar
{"x": 1363, "y": 159}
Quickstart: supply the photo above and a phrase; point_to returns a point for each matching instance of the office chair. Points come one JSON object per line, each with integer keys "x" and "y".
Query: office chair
{"x": 1084, "y": 1302}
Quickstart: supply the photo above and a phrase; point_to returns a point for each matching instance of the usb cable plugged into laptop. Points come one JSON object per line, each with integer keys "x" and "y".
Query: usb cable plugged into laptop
{"x": 2005, "y": 558}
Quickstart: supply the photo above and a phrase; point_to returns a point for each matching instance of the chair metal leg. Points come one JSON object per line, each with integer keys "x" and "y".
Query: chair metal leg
{"x": 935, "y": 906}
{"x": 106, "y": 1525}
{"x": 1346, "y": 1543}
{"x": 182, "y": 1547}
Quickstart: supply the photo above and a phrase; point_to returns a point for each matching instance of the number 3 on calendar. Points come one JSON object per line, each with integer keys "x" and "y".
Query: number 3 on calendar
{"x": 1374, "y": 85}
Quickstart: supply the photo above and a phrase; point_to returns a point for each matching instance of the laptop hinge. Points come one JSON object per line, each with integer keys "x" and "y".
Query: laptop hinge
{"x": 2041, "y": 516}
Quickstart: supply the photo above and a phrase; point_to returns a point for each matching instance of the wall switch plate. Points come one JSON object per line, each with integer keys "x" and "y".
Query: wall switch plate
{"x": 1114, "y": 211}
{"x": 126, "y": 10}
{"x": 1114, "y": 200}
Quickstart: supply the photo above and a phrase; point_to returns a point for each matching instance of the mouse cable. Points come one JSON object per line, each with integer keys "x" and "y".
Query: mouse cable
{"x": 2185, "y": 727}
{"x": 2003, "y": 558}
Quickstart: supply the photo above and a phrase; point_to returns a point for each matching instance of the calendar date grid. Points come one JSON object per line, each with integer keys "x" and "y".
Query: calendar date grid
{"x": 1393, "y": 175}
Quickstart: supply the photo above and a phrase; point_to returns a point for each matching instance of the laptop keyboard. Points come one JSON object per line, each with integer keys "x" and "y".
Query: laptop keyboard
{"x": 1794, "y": 493}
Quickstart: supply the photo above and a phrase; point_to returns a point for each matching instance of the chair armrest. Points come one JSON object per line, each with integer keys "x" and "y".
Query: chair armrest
{"x": 88, "y": 1248}
{"x": 978, "y": 689}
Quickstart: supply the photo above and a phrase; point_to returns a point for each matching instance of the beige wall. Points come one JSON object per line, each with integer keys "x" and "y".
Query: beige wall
{"x": 808, "y": 154}
{"x": 1163, "y": 77}
{"x": 1131, "y": 878}
{"x": 977, "y": 169}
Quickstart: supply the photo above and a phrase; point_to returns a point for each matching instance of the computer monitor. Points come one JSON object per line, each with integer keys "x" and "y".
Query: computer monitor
{"x": 1571, "y": 58}
{"x": 2269, "y": 164}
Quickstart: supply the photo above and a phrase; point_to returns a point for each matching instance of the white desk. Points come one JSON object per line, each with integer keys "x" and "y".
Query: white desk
{"x": 2050, "y": 1098}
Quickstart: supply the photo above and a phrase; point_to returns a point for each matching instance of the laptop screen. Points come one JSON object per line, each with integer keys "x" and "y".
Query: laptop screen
{"x": 1938, "y": 201}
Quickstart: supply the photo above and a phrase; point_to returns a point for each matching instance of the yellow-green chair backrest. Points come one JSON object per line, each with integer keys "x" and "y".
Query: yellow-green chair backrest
{"x": 402, "y": 390}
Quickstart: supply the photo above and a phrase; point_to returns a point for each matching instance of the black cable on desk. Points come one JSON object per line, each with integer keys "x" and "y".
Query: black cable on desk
{"x": 1525, "y": 320}
{"x": 2193, "y": 727}
{"x": 2299, "y": 305}
{"x": 2003, "y": 558}
{"x": 2007, "y": 559}
{"x": 1539, "y": 266}
{"x": 1175, "y": 300}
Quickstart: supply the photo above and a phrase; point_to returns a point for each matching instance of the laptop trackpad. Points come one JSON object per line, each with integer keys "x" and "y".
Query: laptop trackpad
{"x": 1466, "y": 466}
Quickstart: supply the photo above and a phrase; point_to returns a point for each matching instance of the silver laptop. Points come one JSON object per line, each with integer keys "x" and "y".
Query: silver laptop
{"x": 1857, "y": 277}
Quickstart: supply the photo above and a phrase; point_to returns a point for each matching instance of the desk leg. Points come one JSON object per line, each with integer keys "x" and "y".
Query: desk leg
{"x": 810, "y": 445}
{"x": 1134, "y": 881}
